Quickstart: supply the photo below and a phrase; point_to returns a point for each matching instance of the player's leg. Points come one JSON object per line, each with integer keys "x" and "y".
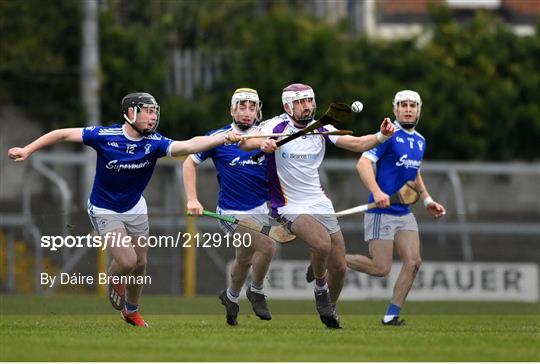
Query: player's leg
{"x": 315, "y": 235}
{"x": 380, "y": 262}
{"x": 408, "y": 248}
{"x": 337, "y": 266}
{"x": 263, "y": 249}
{"x": 123, "y": 261}
{"x": 311, "y": 231}
{"x": 379, "y": 235}
{"x": 136, "y": 223}
{"x": 407, "y": 243}
{"x": 130, "y": 312}
{"x": 239, "y": 271}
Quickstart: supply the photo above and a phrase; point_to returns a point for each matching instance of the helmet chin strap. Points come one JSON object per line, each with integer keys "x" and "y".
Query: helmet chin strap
{"x": 304, "y": 121}
{"x": 407, "y": 126}
{"x": 132, "y": 124}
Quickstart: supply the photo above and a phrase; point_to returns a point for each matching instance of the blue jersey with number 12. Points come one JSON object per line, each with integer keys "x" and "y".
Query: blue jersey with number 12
{"x": 124, "y": 165}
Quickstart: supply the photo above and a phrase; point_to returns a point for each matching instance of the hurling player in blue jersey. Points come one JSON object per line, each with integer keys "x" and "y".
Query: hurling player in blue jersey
{"x": 397, "y": 161}
{"x": 243, "y": 193}
{"x": 126, "y": 156}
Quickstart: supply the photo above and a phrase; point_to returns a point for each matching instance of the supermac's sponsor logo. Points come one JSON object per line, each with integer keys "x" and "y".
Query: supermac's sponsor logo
{"x": 297, "y": 156}
{"x": 246, "y": 162}
{"x": 408, "y": 163}
{"x": 118, "y": 167}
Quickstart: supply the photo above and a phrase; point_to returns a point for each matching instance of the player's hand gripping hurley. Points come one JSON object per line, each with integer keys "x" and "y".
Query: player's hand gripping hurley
{"x": 337, "y": 112}
{"x": 408, "y": 194}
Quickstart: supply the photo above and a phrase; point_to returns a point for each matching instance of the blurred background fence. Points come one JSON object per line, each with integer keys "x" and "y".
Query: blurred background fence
{"x": 493, "y": 215}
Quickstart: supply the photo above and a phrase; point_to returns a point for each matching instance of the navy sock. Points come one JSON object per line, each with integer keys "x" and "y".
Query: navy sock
{"x": 393, "y": 310}
{"x": 320, "y": 281}
{"x": 131, "y": 308}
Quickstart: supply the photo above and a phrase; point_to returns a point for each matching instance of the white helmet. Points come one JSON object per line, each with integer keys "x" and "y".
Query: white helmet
{"x": 246, "y": 94}
{"x": 298, "y": 91}
{"x": 408, "y": 95}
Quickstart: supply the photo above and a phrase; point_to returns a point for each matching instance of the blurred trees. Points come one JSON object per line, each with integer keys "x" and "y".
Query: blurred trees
{"x": 479, "y": 82}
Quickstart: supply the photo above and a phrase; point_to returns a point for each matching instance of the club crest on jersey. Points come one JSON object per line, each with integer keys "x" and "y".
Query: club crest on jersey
{"x": 420, "y": 144}
{"x": 147, "y": 148}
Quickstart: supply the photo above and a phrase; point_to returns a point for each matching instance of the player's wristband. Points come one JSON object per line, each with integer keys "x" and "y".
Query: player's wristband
{"x": 381, "y": 137}
{"x": 428, "y": 201}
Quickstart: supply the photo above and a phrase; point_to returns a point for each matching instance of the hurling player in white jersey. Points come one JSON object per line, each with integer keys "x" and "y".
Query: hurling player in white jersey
{"x": 297, "y": 197}
{"x": 126, "y": 156}
{"x": 397, "y": 161}
{"x": 243, "y": 194}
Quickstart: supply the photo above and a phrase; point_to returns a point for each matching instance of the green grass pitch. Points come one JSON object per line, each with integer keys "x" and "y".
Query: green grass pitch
{"x": 85, "y": 328}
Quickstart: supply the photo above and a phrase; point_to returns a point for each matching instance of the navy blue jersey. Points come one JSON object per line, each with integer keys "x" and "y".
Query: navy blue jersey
{"x": 242, "y": 182}
{"x": 397, "y": 161}
{"x": 124, "y": 165}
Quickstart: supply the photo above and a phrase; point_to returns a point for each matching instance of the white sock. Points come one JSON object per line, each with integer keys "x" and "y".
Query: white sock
{"x": 321, "y": 288}
{"x": 256, "y": 290}
{"x": 231, "y": 297}
{"x": 388, "y": 318}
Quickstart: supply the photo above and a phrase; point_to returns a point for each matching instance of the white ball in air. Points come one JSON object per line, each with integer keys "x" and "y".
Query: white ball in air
{"x": 357, "y": 106}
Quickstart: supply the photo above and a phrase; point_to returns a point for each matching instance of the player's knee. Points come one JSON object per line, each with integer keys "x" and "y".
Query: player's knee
{"x": 322, "y": 247}
{"x": 338, "y": 269}
{"x": 141, "y": 265}
{"x": 413, "y": 264}
{"x": 126, "y": 264}
{"x": 268, "y": 248}
{"x": 244, "y": 262}
{"x": 381, "y": 270}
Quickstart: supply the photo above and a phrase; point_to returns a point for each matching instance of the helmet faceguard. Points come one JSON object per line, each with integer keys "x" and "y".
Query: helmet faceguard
{"x": 249, "y": 95}
{"x": 138, "y": 101}
{"x": 408, "y": 95}
{"x": 297, "y": 92}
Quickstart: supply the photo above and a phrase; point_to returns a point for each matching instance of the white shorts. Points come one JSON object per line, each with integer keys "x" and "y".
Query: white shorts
{"x": 322, "y": 211}
{"x": 258, "y": 215}
{"x": 385, "y": 227}
{"x": 134, "y": 221}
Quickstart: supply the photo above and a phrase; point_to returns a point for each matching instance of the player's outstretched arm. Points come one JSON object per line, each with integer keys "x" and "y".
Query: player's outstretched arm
{"x": 189, "y": 174}
{"x": 202, "y": 143}
{"x": 434, "y": 208}
{"x": 53, "y": 137}
{"x": 366, "y": 142}
{"x": 365, "y": 170}
{"x": 266, "y": 145}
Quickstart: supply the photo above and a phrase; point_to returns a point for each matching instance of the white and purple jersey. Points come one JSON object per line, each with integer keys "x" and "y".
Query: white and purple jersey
{"x": 242, "y": 182}
{"x": 124, "y": 165}
{"x": 293, "y": 175}
{"x": 397, "y": 161}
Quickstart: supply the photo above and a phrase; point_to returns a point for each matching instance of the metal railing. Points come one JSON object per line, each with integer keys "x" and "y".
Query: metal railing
{"x": 174, "y": 200}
